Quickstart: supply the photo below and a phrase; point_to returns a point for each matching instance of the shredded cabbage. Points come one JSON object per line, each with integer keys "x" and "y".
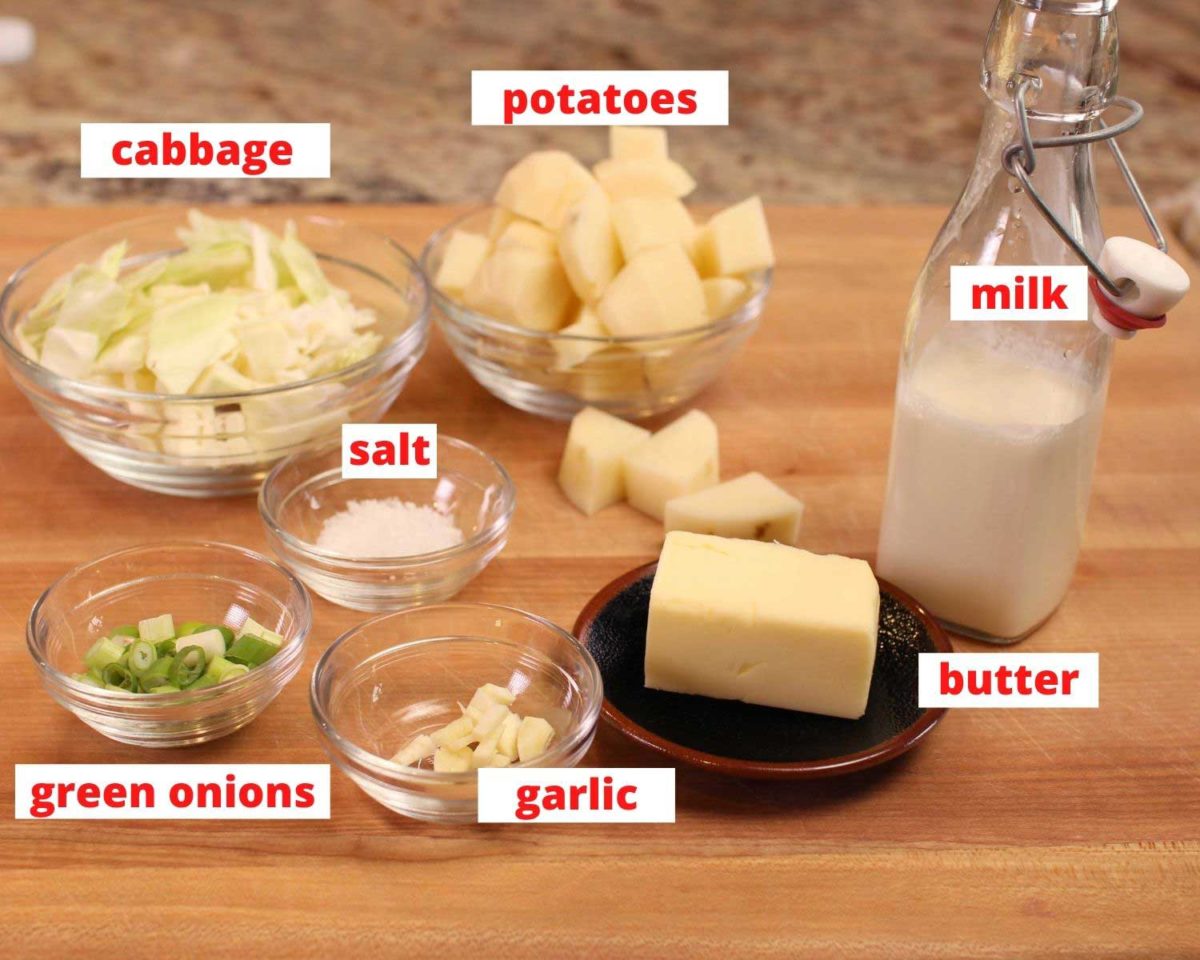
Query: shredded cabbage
{"x": 238, "y": 308}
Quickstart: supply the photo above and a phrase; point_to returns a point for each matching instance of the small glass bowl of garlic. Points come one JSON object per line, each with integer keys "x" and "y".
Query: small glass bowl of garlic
{"x": 412, "y": 704}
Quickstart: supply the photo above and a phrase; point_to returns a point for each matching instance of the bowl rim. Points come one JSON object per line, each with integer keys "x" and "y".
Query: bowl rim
{"x": 889, "y": 749}
{"x": 745, "y": 313}
{"x": 483, "y": 537}
{"x": 393, "y": 353}
{"x": 389, "y": 773}
{"x": 97, "y": 696}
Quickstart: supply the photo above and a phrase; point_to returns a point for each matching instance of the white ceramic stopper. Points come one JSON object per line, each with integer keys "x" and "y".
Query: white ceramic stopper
{"x": 1159, "y": 282}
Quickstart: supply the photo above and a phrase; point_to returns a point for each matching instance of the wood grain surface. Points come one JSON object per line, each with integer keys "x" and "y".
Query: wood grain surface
{"x": 1040, "y": 833}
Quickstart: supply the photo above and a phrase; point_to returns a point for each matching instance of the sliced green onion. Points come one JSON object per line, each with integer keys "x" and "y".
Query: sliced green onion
{"x": 140, "y": 657}
{"x": 102, "y": 653}
{"x": 187, "y": 667}
{"x": 251, "y": 650}
{"x": 163, "y": 688}
{"x": 115, "y": 675}
{"x": 221, "y": 669}
{"x": 154, "y": 657}
{"x": 157, "y": 628}
{"x": 255, "y": 629}
{"x": 157, "y": 674}
{"x": 211, "y": 641}
{"x": 197, "y": 626}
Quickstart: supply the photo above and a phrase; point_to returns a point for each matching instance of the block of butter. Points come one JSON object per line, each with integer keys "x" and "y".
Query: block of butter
{"x": 764, "y": 623}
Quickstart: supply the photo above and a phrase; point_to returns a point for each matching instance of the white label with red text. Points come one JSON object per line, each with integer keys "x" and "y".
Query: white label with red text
{"x": 1008, "y": 680}
{"x": 172, "y": 791}
{"x": 206, "y": 151}
{"x": 577, "y": 795}
{"x": 389, "y": 451}
{"x": 599, "y": 98}
{"x": 1057, "y": 292}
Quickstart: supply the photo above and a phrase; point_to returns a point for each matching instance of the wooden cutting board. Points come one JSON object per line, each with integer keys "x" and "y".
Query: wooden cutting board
{"x": 1008, "y": 833}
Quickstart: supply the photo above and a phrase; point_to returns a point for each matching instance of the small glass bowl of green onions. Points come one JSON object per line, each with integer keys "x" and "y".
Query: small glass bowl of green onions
{"x": 170, "y": 644}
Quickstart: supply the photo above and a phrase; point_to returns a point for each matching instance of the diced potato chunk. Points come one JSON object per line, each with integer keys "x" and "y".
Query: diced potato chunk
{"x": 735, "y": 241}
{"x": 571, "y": 353}
{"x": 588, "y": 245}
{"x": 681, "y": 458}
{"x": 521, "y": 286}
{"x": 644, "y": 222}
{"x": 527, "y": 234}
{"x": 750, "y": 507}
{"x": 637, "y": 143}
{"x": 723, "y": 295}
{"x": 642, "y": 178}
{"x": 533, "y": 737}
{"x": 501, "y": 218}
{"x": 656, "y": 292}
{"x": 543, "y": 186}
{"x": 591, "y": 474}
{"x": 465, "y": 251}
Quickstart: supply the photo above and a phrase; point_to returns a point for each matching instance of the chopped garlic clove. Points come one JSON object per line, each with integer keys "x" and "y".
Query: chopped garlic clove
{"x": 508, "y": 736}
{"x": 490, "y": 720}
{"x": 417, "y": 750}
{"x": 533, "y": 738}
{"x": 456, "y": 734}
{"x": 451, "y": 761}
{"x": 498, "y": 693}
{"x": 485, "y": 753}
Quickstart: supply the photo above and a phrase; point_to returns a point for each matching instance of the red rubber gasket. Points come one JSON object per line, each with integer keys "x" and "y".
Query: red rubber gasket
{"x": 1119, "y": 317}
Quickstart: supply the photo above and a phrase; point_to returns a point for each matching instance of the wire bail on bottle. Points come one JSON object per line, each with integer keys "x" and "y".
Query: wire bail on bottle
{"x": 1020, "y": 159}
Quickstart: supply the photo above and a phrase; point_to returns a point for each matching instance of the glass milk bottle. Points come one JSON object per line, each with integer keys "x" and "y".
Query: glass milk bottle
{"x": 996, "y": 422}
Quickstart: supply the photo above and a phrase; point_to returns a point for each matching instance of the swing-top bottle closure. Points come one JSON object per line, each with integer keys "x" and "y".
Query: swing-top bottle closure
{"x": 1133, "y": 283}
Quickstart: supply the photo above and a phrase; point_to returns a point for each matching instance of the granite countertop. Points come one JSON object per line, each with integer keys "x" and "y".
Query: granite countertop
{"x": 855, "y": 101}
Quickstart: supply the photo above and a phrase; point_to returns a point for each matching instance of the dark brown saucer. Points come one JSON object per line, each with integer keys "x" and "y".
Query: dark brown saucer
{"x": 746, "y": 740}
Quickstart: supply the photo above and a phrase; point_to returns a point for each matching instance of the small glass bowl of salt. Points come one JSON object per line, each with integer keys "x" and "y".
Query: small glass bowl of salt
{"x": 375, "y": 544}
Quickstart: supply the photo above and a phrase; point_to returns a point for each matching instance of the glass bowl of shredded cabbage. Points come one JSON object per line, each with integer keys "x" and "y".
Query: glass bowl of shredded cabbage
{"x": 190, "y": 359}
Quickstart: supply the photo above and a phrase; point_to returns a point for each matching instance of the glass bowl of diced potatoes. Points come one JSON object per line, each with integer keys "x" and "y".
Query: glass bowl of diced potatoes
{"x": 598, "y": 288}
{"x": 411, "y": 705}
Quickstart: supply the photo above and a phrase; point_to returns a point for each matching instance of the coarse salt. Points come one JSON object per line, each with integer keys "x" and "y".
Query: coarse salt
{"x": 388, "y": 527}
